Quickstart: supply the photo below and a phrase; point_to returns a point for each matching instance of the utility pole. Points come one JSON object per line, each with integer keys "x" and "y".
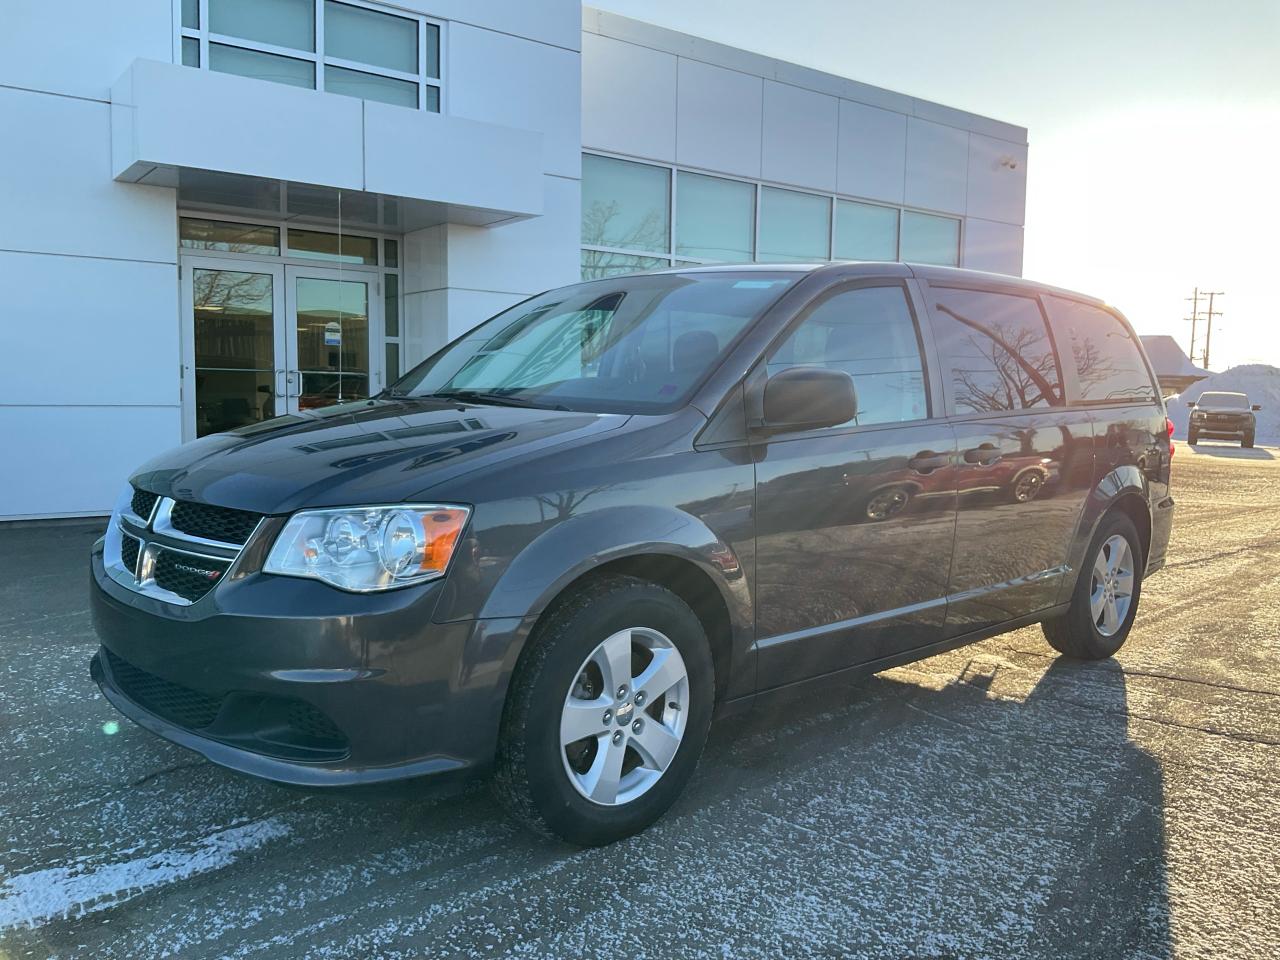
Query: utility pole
{"x": 1195, "y": 315}
{"x": 1208, "y": 325}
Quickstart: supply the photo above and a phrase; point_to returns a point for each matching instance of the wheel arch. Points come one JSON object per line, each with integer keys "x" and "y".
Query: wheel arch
{"x": 690, "y": 560}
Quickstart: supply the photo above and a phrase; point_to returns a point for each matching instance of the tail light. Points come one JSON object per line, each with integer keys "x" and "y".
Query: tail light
{"x": 1169, "y": 426}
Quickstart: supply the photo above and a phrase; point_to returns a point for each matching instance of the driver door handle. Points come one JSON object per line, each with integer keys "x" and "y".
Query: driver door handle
{"x": 984, "y": 454}
{"x": 926, "y": 461}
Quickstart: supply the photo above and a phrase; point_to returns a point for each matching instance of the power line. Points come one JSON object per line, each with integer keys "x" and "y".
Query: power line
{"x": 1196, "y": 315}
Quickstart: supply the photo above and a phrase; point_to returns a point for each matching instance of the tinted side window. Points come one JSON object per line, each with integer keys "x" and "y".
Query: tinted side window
{"x": 1109, "y": 366}
{"x": 996, "y": 351}
{"x": 870, "y": 334}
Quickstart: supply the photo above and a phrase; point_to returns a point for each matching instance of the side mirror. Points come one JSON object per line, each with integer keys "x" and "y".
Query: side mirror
{"x": 806, "y": 398}
{"x": 1191, "y": 403}
{"x": 1256, "y": 406}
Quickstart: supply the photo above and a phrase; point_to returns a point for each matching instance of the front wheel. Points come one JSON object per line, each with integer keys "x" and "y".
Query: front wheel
{"x": 608, "y": 713}
{"x": 1247, "y": 441}
{"x": 1193, "y": 437}
{"x": 1105, "y": 600}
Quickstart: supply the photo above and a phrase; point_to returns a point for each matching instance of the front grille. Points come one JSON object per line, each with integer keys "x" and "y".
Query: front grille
{"x": 173, "y": 702}
{"x": 213, "y": 523}
{"x": 142, "y": 503}
{"x": 190, "y": 577}
{"x": 129, "y": 552}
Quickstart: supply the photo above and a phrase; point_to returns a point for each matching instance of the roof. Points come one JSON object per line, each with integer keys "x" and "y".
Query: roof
{"x": 690, "y": 47}
{"x": 1168, "y": 358}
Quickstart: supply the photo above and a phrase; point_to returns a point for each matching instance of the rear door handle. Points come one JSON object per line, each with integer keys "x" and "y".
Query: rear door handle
{"x": 926, "y": 461}
{"x": 984, "y": 454}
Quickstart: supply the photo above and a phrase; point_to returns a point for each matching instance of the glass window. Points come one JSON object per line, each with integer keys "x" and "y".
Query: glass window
{"x": 793, "y": 226}
{"x": 390, "y": 253}
{"x": 715, "y": 218}
{"x": 929, "y": 239}
{"x": 865, "y": 231}
{"x": 196, "y": 234}
{"x": 393, "y": 362}
{"x": 370, "y": 86}
{"x": 625, "y": 204}
{"x": 597, "y": 264}
{"x": 995, "y": 348}
{"x": 281, "y": 23}
{"x": 637, "y": 344}
{"x": 870, "y": 334}
{"x": 329, "y": 246}
{"x": 391, "y": 304}
{"x": 1109, "y": 366}
{"x": 261, "y": 66}
{"x": 391, "y": 57}
{"x": 367, "y": 36}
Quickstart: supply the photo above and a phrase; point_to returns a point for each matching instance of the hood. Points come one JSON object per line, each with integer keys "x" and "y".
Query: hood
{"x": 376, "y": 451}
{"x": 1221, "y": 408}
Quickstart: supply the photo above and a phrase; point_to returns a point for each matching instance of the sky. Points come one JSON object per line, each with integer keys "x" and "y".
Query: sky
{"x": 1154, "y": 131}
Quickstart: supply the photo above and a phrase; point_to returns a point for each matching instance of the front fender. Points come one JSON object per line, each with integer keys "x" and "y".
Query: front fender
{"x": 577, "y": 546}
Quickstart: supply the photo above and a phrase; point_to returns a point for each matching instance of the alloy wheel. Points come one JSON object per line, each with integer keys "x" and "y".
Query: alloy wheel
{"x": 624, "y": 716}
{"x": 1111, "y": 590}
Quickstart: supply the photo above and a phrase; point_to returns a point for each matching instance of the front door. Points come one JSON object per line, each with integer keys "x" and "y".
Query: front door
{"x": 854, "y": 523}
{"x": 269, "y": 339}
{"x": 330, "y": 337}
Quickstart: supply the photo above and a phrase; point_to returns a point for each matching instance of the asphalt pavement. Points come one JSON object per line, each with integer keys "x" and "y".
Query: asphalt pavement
{"x": 995, "y": 801}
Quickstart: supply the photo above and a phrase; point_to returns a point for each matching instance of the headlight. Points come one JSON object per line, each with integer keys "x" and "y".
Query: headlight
{"x": 368, "y": 548}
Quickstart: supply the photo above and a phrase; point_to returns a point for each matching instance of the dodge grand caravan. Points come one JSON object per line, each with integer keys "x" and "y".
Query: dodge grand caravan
{"x": 559, "y": 546}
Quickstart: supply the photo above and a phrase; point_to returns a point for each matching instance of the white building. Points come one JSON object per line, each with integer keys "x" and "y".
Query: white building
{"x": 219, "y": 210}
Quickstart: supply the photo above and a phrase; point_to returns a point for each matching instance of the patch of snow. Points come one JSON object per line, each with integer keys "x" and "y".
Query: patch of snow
{"x": 34, "y": 898}
{"x": 1259, "y": 380}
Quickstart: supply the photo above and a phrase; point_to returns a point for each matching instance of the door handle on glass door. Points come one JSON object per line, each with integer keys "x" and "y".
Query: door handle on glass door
{"x": 281, "y": 389}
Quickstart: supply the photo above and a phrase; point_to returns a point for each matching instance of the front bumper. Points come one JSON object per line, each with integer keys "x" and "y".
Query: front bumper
{"x": 294, "y": 681}
{"x": 1234, "y": 428}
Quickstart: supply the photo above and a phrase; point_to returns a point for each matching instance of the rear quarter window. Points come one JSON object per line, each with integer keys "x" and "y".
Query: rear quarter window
{"x": 995, "y": 350}
{"x": 1109, "y": 364}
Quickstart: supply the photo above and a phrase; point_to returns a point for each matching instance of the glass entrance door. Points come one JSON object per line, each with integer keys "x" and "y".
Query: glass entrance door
{"x": 266, "y": 340}
{"x": 331, "y": 331}
{"x": 234, "y": 354}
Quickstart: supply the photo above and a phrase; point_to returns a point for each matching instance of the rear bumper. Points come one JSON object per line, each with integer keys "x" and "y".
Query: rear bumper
{"x": 299, "y": 683}
{"x": 1161, "y": 529}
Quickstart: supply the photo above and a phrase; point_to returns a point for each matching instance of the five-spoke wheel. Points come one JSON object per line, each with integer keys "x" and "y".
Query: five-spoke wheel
{"x": 623, "y": 717}
{"x": 1111, "y": 590}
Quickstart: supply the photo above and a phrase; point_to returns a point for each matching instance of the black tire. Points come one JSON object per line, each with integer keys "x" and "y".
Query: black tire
{"x": 530, "y": 779}
{"x": 1247, "y": 441}
{"x": 1074, "y": 634}
{"x": 1193, "y": 437}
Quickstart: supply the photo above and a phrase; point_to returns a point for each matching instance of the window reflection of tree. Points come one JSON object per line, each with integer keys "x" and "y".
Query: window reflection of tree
{"x": 1025, "y": 371}
{"x": 598, "y": 229}
{"x": 233, "y": 314}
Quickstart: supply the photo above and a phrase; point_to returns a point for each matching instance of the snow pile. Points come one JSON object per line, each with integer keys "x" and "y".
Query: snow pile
{"x": 1260, "y": 381}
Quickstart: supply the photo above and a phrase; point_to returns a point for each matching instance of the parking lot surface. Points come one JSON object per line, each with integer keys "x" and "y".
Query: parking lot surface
{"x": 992, "y": 802}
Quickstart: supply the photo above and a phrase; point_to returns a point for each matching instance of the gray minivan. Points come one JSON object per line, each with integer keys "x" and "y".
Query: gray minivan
{"x": 561, "y": 545}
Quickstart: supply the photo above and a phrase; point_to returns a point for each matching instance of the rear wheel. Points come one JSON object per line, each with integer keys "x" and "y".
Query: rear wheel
{"x": 608, "y": 713}
{"x": 1106, "y": 596}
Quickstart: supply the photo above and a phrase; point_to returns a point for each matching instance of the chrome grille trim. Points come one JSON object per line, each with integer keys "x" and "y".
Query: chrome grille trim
{"x": 157, "y": 533}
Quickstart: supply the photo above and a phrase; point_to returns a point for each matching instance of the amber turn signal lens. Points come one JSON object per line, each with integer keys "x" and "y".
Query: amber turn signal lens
{"x": 441, "y": 530}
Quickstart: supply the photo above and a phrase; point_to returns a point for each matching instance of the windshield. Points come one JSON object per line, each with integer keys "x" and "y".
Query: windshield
{"x": 639, "y": 344}
{"x": 1235, "y": 400}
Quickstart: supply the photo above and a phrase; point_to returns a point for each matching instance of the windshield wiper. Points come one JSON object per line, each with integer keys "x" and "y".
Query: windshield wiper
{"x": 494, "y": 399}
